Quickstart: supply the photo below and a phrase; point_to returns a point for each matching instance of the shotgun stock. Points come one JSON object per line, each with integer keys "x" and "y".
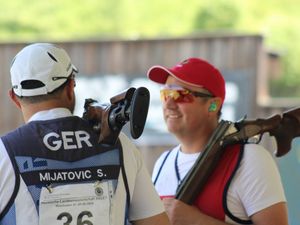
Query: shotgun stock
{"x": 284, "y": 128}
{"x": 288, "y": 129}
{"x": 130, "y": 105}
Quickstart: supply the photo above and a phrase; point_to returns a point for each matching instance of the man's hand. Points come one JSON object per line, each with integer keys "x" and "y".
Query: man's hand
{"x": 180, "y": 213}
{"x": 183, "y": 214}
{"x": 160, "y": 219}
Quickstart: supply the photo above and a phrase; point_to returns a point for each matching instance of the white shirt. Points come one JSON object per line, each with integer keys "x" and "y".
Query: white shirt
{"x": 255, "y": 186}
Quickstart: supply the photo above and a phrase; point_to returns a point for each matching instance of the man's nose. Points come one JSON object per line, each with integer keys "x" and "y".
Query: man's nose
{"x": 169, "y": 102}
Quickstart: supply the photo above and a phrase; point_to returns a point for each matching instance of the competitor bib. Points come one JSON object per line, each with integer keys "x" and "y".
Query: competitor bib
{"x": 76, "y": 204}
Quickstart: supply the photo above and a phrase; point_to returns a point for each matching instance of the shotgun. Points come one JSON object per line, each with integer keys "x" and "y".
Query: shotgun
{"x": 284, "y": 129}
{"x": 107, "y": 120}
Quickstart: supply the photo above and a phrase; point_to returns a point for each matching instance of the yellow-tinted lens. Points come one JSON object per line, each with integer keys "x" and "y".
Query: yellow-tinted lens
{"x": 168, "y": 93}
{"x": 177, "y": 95}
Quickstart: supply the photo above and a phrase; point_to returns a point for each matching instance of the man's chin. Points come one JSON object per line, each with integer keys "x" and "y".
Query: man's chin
{"x": 172, "y": 129}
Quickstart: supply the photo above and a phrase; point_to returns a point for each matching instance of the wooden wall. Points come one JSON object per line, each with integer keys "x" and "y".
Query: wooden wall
{"x": 134, "y": 57}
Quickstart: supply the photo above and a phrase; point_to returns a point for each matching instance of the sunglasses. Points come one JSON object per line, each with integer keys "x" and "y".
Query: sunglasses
{"x": 181, "y": 95}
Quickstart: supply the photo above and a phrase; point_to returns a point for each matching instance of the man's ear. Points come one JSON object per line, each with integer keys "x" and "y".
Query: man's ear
{"x": 212, "y": 107}
{"x": 14, "y": 98}
{"x": 215, "y": 105}
{"x": 70, "y": 89}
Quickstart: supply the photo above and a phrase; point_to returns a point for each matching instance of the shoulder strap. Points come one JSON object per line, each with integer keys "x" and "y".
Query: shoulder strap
{"x": 161, "y": 166}
{"x": 124, "y": 174}
{"x": 226, "y": 209}
{"x": 17, "y": 181}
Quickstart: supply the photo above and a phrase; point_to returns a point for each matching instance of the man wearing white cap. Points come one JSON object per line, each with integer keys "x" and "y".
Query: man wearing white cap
{"x": 52, "y": 169}
{"x": 244, "y": 188}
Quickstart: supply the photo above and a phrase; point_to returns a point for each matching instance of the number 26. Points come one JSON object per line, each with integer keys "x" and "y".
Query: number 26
{"x": 79, "y": 218}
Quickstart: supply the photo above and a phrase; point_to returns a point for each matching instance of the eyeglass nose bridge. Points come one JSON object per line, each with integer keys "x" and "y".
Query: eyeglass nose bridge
{"x": 166, "y": 94}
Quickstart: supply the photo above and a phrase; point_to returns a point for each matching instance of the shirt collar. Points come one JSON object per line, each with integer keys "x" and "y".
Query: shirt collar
{"x": 51, "y": 114}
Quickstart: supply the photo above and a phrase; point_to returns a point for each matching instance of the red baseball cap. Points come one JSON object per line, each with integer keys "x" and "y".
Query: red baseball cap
{"x": 193, "y": 71}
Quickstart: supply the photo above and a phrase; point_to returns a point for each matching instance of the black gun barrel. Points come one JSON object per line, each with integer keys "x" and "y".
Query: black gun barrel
{"x": 196, "y": 178}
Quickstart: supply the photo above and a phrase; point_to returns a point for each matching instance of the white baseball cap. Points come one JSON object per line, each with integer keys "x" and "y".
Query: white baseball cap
{"x": 46, "y": 64}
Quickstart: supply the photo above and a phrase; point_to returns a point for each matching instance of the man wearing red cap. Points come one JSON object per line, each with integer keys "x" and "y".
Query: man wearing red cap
{"x": 245, "y": 187}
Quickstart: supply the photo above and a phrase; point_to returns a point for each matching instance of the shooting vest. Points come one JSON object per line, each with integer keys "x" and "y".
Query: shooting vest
{"x": 212, "y": 200}
{"x": 62, "y": 174}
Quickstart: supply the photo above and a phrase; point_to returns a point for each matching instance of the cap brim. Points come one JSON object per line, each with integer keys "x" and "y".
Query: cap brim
{"x": 74, "y": 68}
{"x": 159, "y": 74}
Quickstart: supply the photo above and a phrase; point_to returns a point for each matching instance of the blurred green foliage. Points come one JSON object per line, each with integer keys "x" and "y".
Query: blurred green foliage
{"x": 63, "y": 20}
